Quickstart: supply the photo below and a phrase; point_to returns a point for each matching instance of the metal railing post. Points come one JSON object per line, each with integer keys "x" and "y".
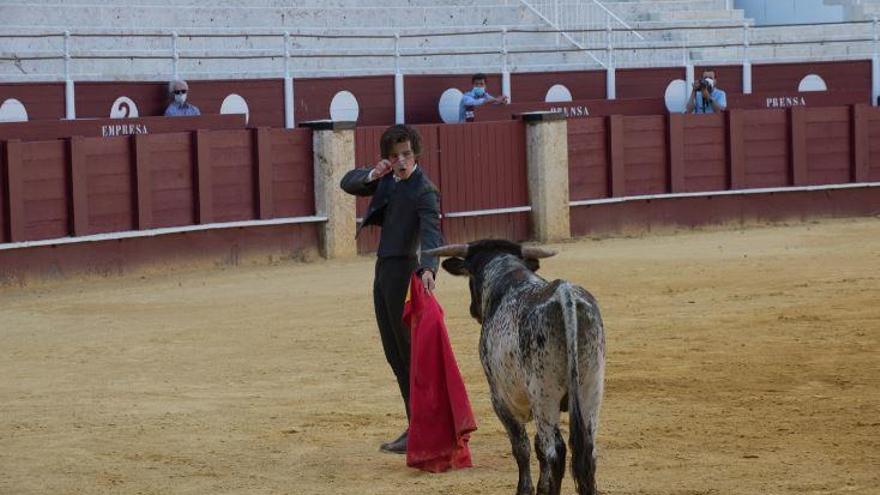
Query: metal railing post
{"x": 505, "y": 68}
{"x": 69, "y": 91}
{"x": 875, "y": 66}
{"x": 610, "y": 72}
{"x": 399, "y": 110}
{"x": 289, "y": 122}
{"x": 175, "y": 56}
{"x": 747, "y": 63}
{"x": 688, "y": 70}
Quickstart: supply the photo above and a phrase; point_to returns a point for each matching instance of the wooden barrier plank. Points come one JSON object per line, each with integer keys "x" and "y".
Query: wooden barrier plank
{"x": 861, "y": 164}
{"x": 675, "y": 135}
{"x": 616, "y": 156}
{"x": 204, "y": 183}
{"x": 143, "y": 179}
{"x": 79, "y": 190}
{"x": 15, "y": 190}
{"x": 798, "y": 145}
{"x": 265, "y": 202}
{"x": 736, "y": 149}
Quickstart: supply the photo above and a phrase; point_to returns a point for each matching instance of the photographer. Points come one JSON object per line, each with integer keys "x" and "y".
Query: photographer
{"x": 706, "y": 97}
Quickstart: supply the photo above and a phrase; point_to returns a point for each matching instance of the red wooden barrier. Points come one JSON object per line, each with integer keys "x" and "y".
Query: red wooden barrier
{"x": 55, "y": 129}
{"x": 829, "y": 151}
{"x": 81, "y": 186}
{"x": 588, "y": 158}
{"x": 704, "y": 157}
{"x": 577, "y": 109}
{"x": 43, "y": 101}
{"x": 799, "y": 99}
{"x": 785, "y": 78}
{"x": 766, "y": 155}
{"x": 484, "y": 167}
{"x": 645, "y": 169}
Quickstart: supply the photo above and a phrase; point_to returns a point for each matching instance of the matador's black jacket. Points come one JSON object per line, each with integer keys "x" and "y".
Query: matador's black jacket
{"x": 408, "y": 212}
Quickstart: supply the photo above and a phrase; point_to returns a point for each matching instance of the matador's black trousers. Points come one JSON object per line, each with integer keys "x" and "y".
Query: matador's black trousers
{"x": 389, "y": 294}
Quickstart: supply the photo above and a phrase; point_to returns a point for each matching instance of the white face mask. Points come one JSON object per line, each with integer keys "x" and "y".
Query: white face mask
{"x": 710, "y": 82}
{"x": 180, "y": 99}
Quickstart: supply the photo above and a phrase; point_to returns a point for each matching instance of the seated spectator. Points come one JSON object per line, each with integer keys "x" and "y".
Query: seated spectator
{"x": 475, "y": 97}
{"x": 178, "y": 107}
{"x": 706, "y": 97}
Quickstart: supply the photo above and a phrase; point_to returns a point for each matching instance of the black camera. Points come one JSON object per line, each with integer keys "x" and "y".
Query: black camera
{"x": 705, "y": 83}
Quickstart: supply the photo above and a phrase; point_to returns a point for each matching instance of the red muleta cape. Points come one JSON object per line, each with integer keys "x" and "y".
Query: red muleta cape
{"x": 441, "y": 419}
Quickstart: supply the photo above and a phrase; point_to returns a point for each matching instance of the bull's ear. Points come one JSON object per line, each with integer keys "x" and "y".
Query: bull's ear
{"x": 533, "y": 264}
{"x": 455, "y": 266}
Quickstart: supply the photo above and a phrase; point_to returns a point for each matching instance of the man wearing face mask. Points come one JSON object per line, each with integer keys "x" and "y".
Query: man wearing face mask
{"x": 475, "y": 97}
{"x": 706, "y": 97}
{"x": 407, "y": 206}
{"x": 179, "y": 107}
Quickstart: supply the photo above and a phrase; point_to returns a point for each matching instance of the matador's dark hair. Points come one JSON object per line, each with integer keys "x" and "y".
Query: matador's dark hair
{"x": 398, "y": 134}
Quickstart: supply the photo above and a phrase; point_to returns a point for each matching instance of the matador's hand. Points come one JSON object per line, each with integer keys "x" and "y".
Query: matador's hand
{"x": 428, "y": 280}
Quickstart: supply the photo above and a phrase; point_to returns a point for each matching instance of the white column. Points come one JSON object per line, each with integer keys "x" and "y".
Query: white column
{"x": 399, "y": 109}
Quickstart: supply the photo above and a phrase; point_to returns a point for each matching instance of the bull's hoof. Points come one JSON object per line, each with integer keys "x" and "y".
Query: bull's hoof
{"x": 396, "y": 446}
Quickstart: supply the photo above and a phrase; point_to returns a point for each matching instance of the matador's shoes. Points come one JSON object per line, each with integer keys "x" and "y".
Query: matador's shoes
{"x": 396, "y": 446}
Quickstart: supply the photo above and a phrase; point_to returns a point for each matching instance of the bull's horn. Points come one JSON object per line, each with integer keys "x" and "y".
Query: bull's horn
{"x": 532, "y": 252}
{"x": 459, "y": 250}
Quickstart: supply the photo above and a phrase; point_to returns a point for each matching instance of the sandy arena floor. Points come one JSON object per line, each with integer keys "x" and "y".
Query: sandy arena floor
{"x": 739, "y": 362}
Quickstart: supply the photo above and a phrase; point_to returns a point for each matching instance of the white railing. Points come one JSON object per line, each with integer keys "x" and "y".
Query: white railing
{"x": 584, "y": 23}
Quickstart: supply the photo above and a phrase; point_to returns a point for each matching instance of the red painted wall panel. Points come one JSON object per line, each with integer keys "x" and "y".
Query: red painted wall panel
{"x": 646, "y": 160}
{"x": 588, "y": 159}
{"x": 171, "y": 168}
{"x": 422, "y": 94}
{"x": 512, "y": 226}
{"x": 293, "y": 191}
{"x": 583, "y": 85}
{"x": 43, "y": 101}
{"x": 646, "y": 83}
{"x": 829, "y": 145}
{"x": 375, "y": 96}
{"x": 4, "y": 227}
{"x": 95, "y": 99}
{"x": 767, "y": 154}
{"x": 233, "y": 164}
{"x": 45, "y": 191}
{"x": 874, "y": 148}
{"x": 705, "y": 153}
{"x": 264, "y": 97}
{"x": 110, "y": 184}
{"x": 838, "y": 76}
{"x": 483, "y": 166}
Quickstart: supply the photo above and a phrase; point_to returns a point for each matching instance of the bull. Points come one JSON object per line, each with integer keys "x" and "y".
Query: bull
{"x": 542, "y": 346}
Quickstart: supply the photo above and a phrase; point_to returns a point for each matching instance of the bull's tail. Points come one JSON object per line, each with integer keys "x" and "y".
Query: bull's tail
{"x": 582, "y": 403}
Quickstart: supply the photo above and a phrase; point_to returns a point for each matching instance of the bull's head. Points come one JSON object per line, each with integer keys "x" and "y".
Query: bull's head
{"x": 472, "y": 259}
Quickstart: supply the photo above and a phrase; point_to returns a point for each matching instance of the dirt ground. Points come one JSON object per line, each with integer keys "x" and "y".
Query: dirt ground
{"x": 741, "y": 361}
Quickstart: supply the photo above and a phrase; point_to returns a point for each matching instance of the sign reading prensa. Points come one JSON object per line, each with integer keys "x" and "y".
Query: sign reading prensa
{"x": 786, "y": 101}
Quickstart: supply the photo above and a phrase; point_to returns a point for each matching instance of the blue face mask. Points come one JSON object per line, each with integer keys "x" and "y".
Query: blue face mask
{"x": 479, "y": 91}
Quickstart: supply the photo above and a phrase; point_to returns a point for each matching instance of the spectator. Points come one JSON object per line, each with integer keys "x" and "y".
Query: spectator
{"x": 178, "y": 107}
{"x": 475, "y": 97}
{"x": 706, "y": 97}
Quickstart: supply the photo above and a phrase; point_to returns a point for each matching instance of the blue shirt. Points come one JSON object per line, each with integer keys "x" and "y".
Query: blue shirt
{"x": 184, "y": 110}
{"x": 470, "y": 99}
{"x": 719, "y": 96}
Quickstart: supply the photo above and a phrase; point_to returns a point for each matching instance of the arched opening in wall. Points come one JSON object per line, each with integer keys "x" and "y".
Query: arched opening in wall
{"x": 557, "y": 93}
{"x": 344, "y": 107}
{"x": 812, "y": 82}
{"x": 13, "y": 110}
{"x": 124, "y": 108}
{"x": 447, "y": 107}
{"x": 676, "y": 96}
{"x": 235, "y": 104}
